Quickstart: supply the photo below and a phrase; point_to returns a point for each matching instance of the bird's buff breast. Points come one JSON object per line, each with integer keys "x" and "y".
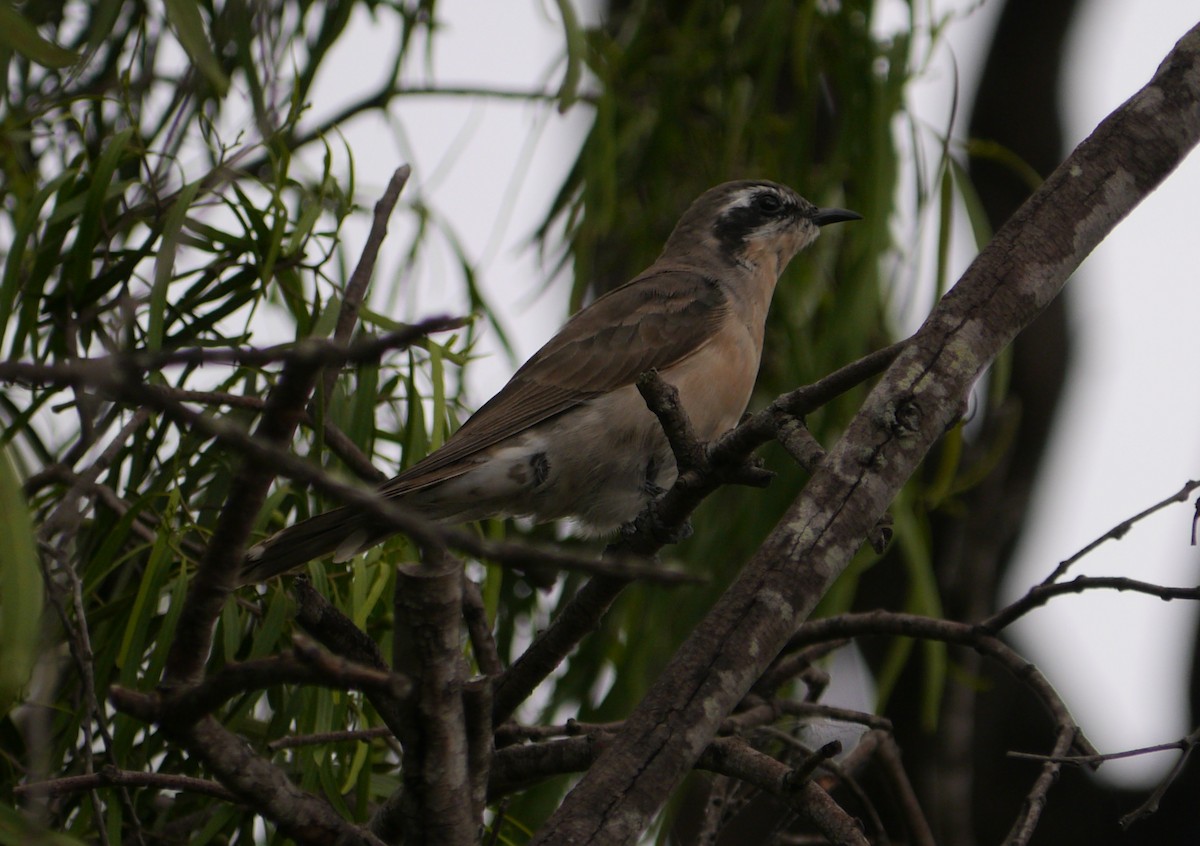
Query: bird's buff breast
{"x": 602, "y": 461}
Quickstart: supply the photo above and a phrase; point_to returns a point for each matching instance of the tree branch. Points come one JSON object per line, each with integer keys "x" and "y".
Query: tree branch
{"x": 436, "y": 806}
{"x": 1008, "y": 284}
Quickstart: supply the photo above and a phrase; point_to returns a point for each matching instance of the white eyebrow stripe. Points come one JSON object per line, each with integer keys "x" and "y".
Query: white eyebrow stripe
{"x": 741, "y": 199}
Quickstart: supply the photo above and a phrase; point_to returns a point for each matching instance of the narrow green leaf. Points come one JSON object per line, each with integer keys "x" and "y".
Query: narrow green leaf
{"x": 184, "y": 16}
{"x": 981, "y": 226}
{"x": 437, "y": 435}
{"x": 25, "y": 222}
{"x": 145, "y": 606}
{"x": 20, "y": 588}
{"x": 77, "y": 269}
{"x": 19, "y": 829}
{"x": 164, "y": 266}
{"x": 576, "y": 41}
{"x": 17, "y": 33}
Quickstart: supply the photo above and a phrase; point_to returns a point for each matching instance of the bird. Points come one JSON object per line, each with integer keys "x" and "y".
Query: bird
{"x": 569, "y": 435}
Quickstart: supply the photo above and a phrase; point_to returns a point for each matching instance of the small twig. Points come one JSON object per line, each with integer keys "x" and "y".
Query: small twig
{"x": 216, "y": 575}
{"x": 1185, "y": 744}
{"x": 835, "y": 773}
{"x": 888, "y": 755}
{"x": 579, "y": 616}
{"x": 479, "y": 629}
{"x": 113, "y": 777}
{"x": 510, "y": 733}
{"x": 1035, "y": 800}
{"x": 256, "y": 782}
{"x": 338, "y": 441}
{"x": 815, "y": 710}
{"x": 1068, "y": 735}
{"x": 762, "y": 426}
{"x": 356, "y": 287}
{"x": 105, "y": 372}
{"x": 323, "y": 737}
{"x": 663, "y": 400}
{"x": 304, "y": 665}
{"x": 1160, "y": 790}
{"x": 792, "y": 665}
{"x": 1042, "y": 593}
{"x": 737, "y": 759}
{"x": 800, "y": 444}
{"x": 1121, "y": 529}
{"x": 337, "y": 633}
{"x": 815, "y": 758}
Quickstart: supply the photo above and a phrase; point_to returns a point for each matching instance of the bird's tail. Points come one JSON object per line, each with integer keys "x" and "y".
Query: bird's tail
{"x": 338, "y": 531}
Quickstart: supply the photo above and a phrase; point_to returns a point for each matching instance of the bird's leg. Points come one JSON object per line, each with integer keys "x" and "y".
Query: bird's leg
{"x": 649, "y": 525}
{"x": 649, "y": 521}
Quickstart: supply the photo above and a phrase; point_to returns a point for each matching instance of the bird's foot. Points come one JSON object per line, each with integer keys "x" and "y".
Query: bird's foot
{"x": 648, "y": 525}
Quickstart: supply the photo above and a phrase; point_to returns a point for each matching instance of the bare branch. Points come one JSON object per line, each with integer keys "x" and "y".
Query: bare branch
{"x": 435, "y": 805}
{"x": 323, "y": 737}
{"x": 483, "y": 645}
{"x": 1042, "y": 593}
{"x": 356, "y": 287}
{"x": 1121, "y": 529}
{"x": 255, "y": 781}
{"x": 112, "y": 777}
{"x": 304, "y": 665}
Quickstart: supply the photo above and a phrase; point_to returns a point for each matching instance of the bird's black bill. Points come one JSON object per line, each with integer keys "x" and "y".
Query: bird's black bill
{"x": 825, "y": 216}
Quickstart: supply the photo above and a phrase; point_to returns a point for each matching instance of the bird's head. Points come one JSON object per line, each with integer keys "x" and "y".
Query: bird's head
{"x": 751, "y": 223}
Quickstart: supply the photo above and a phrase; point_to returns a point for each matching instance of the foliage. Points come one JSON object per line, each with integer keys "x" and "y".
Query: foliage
{"x": 163, "y": 190}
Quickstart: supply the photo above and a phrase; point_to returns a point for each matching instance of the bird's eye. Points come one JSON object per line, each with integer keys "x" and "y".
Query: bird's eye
{"x": 767, "y": 202}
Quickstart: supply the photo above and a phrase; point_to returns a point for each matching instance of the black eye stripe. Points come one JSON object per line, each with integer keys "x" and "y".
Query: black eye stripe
{"x": 737, "y": 222}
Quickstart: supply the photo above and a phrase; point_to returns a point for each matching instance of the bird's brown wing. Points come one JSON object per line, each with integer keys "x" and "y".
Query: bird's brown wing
{"x": 653, "y": 322}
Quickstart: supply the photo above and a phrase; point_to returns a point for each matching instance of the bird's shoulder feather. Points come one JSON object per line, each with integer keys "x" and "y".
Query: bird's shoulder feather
{"x": 654, "y": 321}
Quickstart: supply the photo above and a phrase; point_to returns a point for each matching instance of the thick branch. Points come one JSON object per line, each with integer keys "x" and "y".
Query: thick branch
{"x": 436, "y": 806}
{"x": 1021, "y": 271}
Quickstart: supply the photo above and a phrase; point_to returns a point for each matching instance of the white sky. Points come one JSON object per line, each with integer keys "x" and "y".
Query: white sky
{"x": 1127, "y": 438}
{"x": 1128, "y": 434}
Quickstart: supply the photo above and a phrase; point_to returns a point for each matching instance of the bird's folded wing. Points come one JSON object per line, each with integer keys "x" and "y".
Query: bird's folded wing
{"x": 653, "y": 322}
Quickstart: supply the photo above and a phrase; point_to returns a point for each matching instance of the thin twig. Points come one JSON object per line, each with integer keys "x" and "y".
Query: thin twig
{"x": 1121, "y": 529}
{"x": 888, "y": 755}
{"x": 483, "y": 644}
{"x": 101, "y": 371}
{"x": 1042, "y": 593}
{"x": 113, "y": 777}
{"x": 323, "y": 737}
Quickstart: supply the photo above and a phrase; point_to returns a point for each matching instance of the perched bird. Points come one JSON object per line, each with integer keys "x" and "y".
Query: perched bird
{"x": 569, "y": 435}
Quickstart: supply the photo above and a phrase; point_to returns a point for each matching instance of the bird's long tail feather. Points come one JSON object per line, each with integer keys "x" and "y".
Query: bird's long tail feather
{"x": 329, "y": 532}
